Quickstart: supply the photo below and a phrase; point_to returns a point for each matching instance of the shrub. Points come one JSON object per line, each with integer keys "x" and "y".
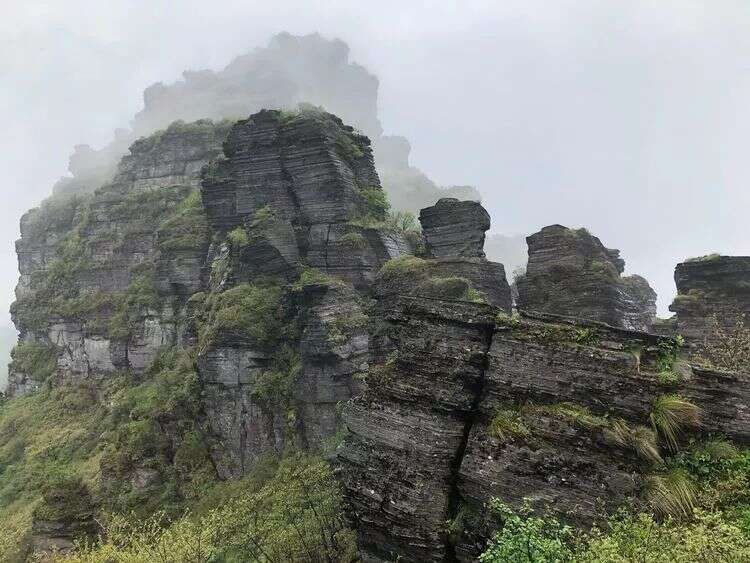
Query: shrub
{"x": 354, "y": 240}
{"x": 525, "y": 538}
{"x": 238, "y": 237}
{"x": 576, "y": 414}
{"x": 347, "y": 147}
{"x": 186, "y": 228}
{"x": 670, "y": 415}
{"x": 247, "y": 311}
{"x": 297, "y": 515}
{"x": 37, "y": 361}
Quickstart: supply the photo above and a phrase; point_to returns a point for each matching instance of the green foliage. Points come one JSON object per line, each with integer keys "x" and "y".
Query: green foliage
{"x": 313, "y": 276}
{"x": 525, "y": 538}
{"x": 296, "y": 516}
{"x": 187, "y": 227}
{"x": 453, "y": 288}
{"x": 347, "y": 147}
{"x": 238, "y": 237}
{"x": 354, "y": 240}
{"x": 136, "y": 439}
{"x": 667, "y": 351}
{"x": 507, "y": 424}
{"x": 46, "y": 438}
{"x": 671, "y": 494}
{"x": 38, "y": 361}
{"x": 704, "y": 258}
{"x": 629, "y": 538}
{"x": 275, "y": 386}
{"x": 671, "y": 415}
{"x": 641, "y": 440}
{"x": 508, "y": 320}
{"x": 65, "y": 499}
{"x": 587, "y": 336}
{"x": 247, "y": 311}
{"x": 373, "y": 208}
{"x": 576, "y": 414}
{"x": 405, "y": 267}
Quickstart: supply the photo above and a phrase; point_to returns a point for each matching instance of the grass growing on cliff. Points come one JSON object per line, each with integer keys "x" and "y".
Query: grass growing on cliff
{"x": 671, "y": 415}
{"x": 248, "y": 312}
{"x": 640, "y": 439}
{"x": 507, "y": 424}
{"x": 186, "y": 228}
{"x": 37, "y": 361}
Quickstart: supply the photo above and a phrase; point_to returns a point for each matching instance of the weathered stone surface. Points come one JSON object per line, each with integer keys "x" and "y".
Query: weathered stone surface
{"x": 298, "y": 184}
{"x": 713, "y": 291}
{"x": 570, "y": 272}
{"x": 440, "y": 373}
{"x": 455, "y": 228}
{"x": 407, "y": 430}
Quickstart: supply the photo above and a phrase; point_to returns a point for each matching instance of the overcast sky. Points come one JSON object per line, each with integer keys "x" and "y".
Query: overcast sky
{"x": 631, "y": 118}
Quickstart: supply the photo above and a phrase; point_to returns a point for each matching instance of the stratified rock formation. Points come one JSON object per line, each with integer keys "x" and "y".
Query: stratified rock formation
{"x": 570, "y": 272}
{"x": 463, "y": 406}
{"x": 454, "y": 234}
{"x": 712, "y": 292}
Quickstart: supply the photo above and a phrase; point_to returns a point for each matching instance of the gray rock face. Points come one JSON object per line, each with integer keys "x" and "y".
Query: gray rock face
{"x": 300, "y": 186}
{"x": 455, "y": 228}
{"x": 570, "y": 272}
{"x": 80, "y": 257}
{"x": 462, "y": 406}
{"x": 713, "y": 291}
{"x": 454, "y": 234}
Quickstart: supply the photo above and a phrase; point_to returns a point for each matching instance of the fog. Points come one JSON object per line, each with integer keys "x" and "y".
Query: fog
{"x": 629, "y": 118}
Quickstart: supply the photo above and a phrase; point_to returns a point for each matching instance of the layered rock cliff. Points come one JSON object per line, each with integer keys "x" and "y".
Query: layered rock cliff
{"x": 570, "y": 272}
{"x": 464, "y": 404}
{"x": 713, "y": 295}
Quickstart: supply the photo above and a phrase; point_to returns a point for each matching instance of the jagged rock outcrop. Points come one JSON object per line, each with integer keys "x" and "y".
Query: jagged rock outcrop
{"x": 713, "y": 292}
{"x": 462, "y": 406}
{"x": 304, "y": 189}
{"x": 570, "y": 272}
{"x": 454, "y": 234}
{"x": 98, "y": 273}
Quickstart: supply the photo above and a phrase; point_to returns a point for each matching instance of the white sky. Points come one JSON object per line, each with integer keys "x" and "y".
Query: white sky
{"x": 630, "y": 118}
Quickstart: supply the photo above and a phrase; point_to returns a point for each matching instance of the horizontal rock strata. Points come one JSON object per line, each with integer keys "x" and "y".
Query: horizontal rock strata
{"x": 570, "y": 272}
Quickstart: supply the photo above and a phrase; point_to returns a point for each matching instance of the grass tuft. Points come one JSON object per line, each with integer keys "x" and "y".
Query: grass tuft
{"x": 672, "y": 494}
{"x": 671, "y": 415}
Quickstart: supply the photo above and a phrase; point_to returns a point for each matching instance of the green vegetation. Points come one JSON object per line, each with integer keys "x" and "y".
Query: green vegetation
{"x": 525, "y": 538}
{"x": 671, "y": 415}
{"x": 247, "y": 311}
{"x": 530, "y": 538}
{"x": 238, "y": 238}
{"x": 37, "y": 361}
{"x": 641, "y": 440}
{"x": 671, "y": 494}
{"x": 453, "y": 288}
{"x": 704, "y": 258}
{"x": 507, "y": 424}
{"x": 296, "y": 515}
{"x": 576, "y": 414}
{"x": 355, "y": 241}
{"x": 586, "y": 336}
{"x": 187, "y": 228}
{"x": 347, "y": 147}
